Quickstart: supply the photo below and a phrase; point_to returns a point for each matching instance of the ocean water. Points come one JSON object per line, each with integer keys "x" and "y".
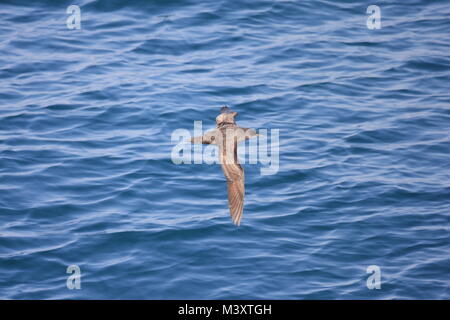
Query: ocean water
{"x": 87, "y": 177}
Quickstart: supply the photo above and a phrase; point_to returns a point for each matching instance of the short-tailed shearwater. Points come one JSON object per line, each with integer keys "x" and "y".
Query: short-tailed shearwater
{"x": 226, "y": 136}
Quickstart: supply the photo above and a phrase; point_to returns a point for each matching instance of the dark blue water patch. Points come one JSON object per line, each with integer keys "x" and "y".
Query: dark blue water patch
{"x": 428, "y": 65}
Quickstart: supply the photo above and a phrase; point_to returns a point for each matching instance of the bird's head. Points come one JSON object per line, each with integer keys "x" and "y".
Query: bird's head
{"x": 226, "y": 116}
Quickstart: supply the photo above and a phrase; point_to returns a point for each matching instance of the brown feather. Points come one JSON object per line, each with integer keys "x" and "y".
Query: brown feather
{"x": 235, "y": 180}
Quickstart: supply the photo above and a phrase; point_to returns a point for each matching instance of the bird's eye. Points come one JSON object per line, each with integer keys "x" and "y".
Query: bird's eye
{"x": 213, "y": 138}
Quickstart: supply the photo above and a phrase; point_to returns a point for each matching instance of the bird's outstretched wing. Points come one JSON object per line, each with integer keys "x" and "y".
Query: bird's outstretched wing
{"x": 209, "y": 137}
{"x": 235, "y": 180}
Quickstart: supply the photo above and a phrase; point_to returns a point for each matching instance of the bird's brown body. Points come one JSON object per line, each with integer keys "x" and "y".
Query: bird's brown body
{"x": 226, "y": 136}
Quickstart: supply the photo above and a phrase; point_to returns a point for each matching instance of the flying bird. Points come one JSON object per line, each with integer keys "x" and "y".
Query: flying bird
{"x": 226, "y": 136}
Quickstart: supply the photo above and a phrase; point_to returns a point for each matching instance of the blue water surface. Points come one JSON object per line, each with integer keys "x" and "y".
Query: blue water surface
{"x": 87, "y": 178}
